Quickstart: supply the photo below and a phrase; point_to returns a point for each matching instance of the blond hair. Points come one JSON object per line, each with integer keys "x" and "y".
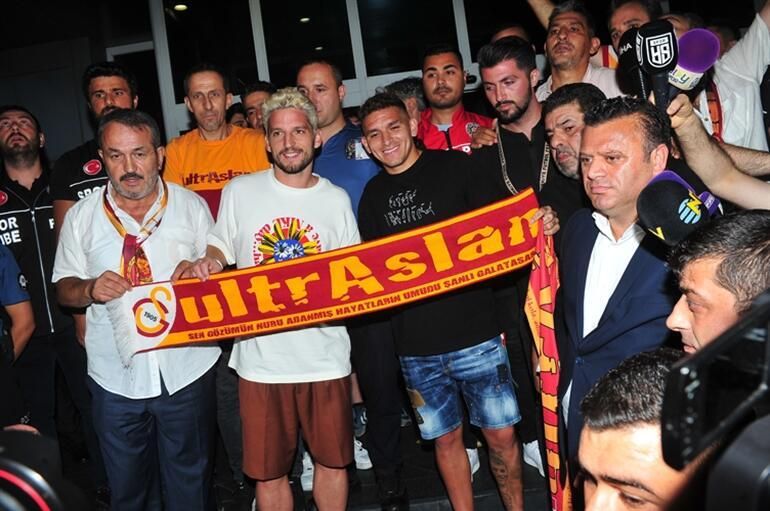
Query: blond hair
{"x": 289, "y": 97}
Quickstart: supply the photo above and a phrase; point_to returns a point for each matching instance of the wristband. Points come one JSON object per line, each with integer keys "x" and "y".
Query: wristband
{"x": 221, "y": 264}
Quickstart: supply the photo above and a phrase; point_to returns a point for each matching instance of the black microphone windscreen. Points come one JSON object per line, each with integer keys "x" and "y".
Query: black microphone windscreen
{"x": 669, "y": 209}
{"x": 631, "y": 79}
{"x": 656, "y": 47}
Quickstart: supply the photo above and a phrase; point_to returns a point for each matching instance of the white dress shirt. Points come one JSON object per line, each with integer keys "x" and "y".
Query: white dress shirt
{"x": 604, "y": 78}
{"x": 737, "y": 76}
{"x": 89, "y": 245}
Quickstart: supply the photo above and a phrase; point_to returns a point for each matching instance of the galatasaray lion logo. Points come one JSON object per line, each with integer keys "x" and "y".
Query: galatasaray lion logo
{"x": 284, "y": 239}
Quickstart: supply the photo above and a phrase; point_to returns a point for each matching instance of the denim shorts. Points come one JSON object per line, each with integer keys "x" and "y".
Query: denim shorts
{"x": 481, "y": 373}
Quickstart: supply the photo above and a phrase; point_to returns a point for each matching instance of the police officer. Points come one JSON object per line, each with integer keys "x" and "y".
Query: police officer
{"x": 27, "y": 229}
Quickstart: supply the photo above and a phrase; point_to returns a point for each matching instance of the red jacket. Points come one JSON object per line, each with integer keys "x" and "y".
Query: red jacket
{"x": 459, "y": 134}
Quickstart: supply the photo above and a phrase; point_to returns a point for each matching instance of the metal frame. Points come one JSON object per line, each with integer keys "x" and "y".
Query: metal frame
{"x": 358, "y": 89}
{"x": 124, "y": 49}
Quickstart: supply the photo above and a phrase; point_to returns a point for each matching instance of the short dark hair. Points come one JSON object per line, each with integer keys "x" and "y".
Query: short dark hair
{"x": 742, "y": 241}
{"x": 655, "y": 125}
{"x": 631, "y": 393}
{"x": 235, "y": 108}
{"x": 405, "y": 88}
{"x": 19, "y": 108}
{"x": 575, "y": 6}
{"x": 205, "y": 67}
{"x": 135, "y": 119}
{"x": 694, "y": 19}
{"x": 507, "y": 48}
{"x": 586, "y": 95}
{"x": 652, "y": 7}
{"x": 100, "y": 69}
{"x": 259, "y": 86}
{"x": 379, "y": 102}
{"x": 512, "y": 24}
{"x": 725, "y": 28}
{"x": 336, "y": 72}
{"x": 438, "y": 49}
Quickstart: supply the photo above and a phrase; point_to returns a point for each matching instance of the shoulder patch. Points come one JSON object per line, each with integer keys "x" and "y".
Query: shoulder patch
{"x": 92, "y": 167}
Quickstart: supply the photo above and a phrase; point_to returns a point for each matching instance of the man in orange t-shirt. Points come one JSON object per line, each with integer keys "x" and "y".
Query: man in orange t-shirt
{"x": 208, "y": 157}
{"x": 205, "y": 160}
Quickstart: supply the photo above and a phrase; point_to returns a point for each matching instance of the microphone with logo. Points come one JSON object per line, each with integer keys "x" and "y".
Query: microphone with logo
{"x": 658, "y": 52}
{"x": 698, "y": 52}
{"x": 669, "y": 208}
{"x": 631, "y": 79}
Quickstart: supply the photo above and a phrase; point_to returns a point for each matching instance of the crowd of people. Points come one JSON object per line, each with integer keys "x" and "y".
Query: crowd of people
{"x": 123, "y": 210}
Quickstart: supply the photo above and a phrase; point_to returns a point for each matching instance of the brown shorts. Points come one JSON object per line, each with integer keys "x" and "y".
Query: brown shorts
{"x": 273, "y": 413}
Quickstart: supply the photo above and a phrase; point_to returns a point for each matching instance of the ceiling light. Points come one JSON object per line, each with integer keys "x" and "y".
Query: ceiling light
{"x": 319, "y": 48}
{"x": 180, "y": 7}
{"x": 304, "y": 20}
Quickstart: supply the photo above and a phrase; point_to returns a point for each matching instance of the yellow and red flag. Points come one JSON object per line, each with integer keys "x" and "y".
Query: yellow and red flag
{"x": 539, "y": 308}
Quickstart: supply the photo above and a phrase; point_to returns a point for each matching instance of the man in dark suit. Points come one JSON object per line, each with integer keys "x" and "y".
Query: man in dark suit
{"x": 616, "y": 288}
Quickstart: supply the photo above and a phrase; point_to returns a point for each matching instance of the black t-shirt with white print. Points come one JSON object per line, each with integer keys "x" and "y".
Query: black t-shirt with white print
{"x": 435, "y": 188}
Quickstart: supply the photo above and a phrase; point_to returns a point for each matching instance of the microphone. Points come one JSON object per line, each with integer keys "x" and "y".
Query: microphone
{"x": 698, "y": 51}
{"x": 669, "y": 208}
{"x": 657, "y": 51}
{"x": 631, "y": 78}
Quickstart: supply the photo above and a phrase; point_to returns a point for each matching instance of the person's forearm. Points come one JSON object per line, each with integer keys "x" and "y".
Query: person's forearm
{"x": 718, "y": 172}
{"x": 20, "y": 335}
{"x": 703, "y": 153}
{"x": 75, "y": 292}
{"x": 542, "y": 10}
{"x": 749, "y": 161}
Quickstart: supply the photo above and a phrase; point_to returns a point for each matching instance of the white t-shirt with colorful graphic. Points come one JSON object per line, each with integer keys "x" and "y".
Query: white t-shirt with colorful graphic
{"x": 262, "y": 221}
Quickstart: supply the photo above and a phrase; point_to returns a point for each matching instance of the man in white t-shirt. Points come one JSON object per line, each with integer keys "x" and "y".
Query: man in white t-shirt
{"x": 299, "y": 379}
{"x": 154, "y": 415}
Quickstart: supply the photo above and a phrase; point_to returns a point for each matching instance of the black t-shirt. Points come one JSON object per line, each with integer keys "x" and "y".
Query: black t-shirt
{"x": 523, "y": 166}
{"x": 523, "y": 160}
{"x": 77, "y": 173}
{"x": 437, "y": 187}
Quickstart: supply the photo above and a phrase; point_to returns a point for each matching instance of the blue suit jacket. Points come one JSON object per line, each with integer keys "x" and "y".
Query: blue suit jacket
{"x": 632, "y": 322}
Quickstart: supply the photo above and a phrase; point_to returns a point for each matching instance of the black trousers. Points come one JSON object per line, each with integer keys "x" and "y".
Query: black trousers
{"x": 376, "y": 365}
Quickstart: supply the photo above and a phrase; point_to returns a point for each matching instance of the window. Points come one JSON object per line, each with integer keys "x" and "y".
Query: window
{"x": 485, "y": 17}
{"x": 211, "y": 31}
{"x": 397, "y": 32}
{"x": 306, "y": 30}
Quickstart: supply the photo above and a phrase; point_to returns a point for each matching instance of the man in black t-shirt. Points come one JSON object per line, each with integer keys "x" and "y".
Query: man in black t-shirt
{"x": 450, "y": 344}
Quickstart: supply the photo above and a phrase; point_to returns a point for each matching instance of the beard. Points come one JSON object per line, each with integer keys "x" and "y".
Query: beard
{"x": 20, "y": 155}
{"x": 446, "y": 101}
{"x": 106, "y": 110}
{"x": 150, "y": 186}
{"x": 293, "y": 168}
{"x": 514, "y": 115}
{"x": 570, "y": 169}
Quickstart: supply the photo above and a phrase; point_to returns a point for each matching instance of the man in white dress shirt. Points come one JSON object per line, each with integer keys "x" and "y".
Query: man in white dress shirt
{"x": 155, "y": 414}
{"x": 616, "y": 287}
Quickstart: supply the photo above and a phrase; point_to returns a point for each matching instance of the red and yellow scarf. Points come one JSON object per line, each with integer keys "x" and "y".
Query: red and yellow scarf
{"x": 134, "y": 265}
